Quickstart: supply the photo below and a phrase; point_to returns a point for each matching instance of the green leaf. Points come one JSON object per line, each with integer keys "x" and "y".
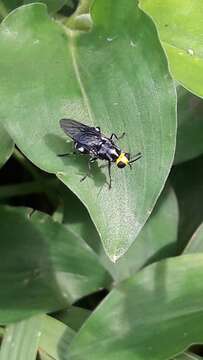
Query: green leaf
{"x": 122, "y": 78}
{"x": 190, "y": 126}
{"x": 55, "y": 338}
{"x": 49, "y": 267}
{"x": 180, "y": 26}
{"x": 8, "y": 5}
{"x": 137, "y": 319}
{"x": 187, "y": 182}
{"x": 44, "y": 356}
{"x": 6, "y": 146}
{"x": 52, "y": 5}
{"x": 74, "y": 316}
{"x": 187, "y": 356}
{"x": 195, "y": 244}
{"x": 157, "y": 240}
{"x": 21, "y": 340}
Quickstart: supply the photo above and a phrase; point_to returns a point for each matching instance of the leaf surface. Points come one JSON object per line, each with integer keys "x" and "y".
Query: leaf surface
{"x": 48, "y": 266}
{"x": 104, "y": 77}
{"x": 21, "y": 340}
{"x": 137, "y": 319}
{"x": 180, "y": 26}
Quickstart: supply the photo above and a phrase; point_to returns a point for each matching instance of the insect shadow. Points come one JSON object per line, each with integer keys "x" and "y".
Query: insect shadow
{"x": 59, "y": 146}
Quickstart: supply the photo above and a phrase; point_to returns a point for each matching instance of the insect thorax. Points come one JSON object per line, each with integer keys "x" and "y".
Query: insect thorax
{"x": 108, "y": 151}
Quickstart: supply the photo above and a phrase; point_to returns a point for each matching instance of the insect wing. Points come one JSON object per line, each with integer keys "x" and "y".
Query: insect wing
{"x": 83, "y": 134}
{"x": 73, "y": 128}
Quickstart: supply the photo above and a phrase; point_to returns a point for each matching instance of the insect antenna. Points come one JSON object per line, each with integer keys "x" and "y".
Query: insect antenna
{"x": 137, "y": 156}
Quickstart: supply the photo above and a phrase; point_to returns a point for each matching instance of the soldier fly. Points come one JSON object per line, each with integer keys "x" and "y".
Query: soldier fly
{"x": 90, "y": 141}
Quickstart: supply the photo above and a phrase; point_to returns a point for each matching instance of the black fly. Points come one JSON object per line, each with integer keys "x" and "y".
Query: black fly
{"x": 89, "y": 140}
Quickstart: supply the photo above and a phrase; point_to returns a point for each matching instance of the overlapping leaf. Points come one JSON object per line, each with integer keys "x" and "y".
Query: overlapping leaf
{"x": 21, "y": 340}
{"x": 138, "y": 318}
{"x": 180, "y": 27}
{"x": 187, "y": 181}
{"x": 114, "y": 76}
{"x": 157, "y": 240}
{"x": 190, "y": 126}
{"x": 6, "y": 146}
{"x": 43, "y": 266}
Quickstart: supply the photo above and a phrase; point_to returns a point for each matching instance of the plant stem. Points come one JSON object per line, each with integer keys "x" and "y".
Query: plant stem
{"x": 80, "y": 20}
{"x": 25, "y": 188}
{"x": 83, "y": 7}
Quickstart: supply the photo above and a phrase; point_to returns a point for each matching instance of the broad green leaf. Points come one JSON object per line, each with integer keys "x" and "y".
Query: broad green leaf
{"x": 48, "y": 266}
{"x": 187, "y": 182}
{"x": 139, "y": 317}
{"x": 6, "y": 146}
{"x": 187, "y": 356}
{"x": 53, "y": 5}
{"x": 157, "y": 240}
{"x": 195, "y": 245}
{"x": 180, "y": 26}
{"x": 74, "y": 316}
{"x": 121, "y": 78}
{"x": 190, "y": 126}
{"x": 55, "y": 338}
{"x": 21, "y": 340}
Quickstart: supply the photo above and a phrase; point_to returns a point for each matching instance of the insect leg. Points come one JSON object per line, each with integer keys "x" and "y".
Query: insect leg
{"x": 89, "y": 168}
{"x": 67, "y": 154}
{"x": 109, "y": 171}
{"x": 117, "y": 137}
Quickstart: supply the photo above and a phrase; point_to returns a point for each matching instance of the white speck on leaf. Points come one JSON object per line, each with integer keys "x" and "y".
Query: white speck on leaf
{"x": 132, "y": 44}
{"x": 8, "y": 32}
{"x": 110, "y": 39}
{"x": 190, "y": 51}
{"x": 114, "y": 258}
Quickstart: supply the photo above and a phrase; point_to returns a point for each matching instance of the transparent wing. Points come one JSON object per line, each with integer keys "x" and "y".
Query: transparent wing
{"x": 73, "y": 128}
{"x": 85, "y": 135}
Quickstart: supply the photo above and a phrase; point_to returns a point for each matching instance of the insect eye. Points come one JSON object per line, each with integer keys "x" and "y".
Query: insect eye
{"x": 127, "y": 155}
{"x": 121, "y": 164}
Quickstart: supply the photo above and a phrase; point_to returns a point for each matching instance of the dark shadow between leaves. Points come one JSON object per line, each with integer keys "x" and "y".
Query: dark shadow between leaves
{"x": 59, "y": 146}
{"x": 165, "y": 252}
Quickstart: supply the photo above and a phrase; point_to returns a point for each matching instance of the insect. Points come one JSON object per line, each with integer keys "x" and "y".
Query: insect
{"x": 90, "y": 141}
